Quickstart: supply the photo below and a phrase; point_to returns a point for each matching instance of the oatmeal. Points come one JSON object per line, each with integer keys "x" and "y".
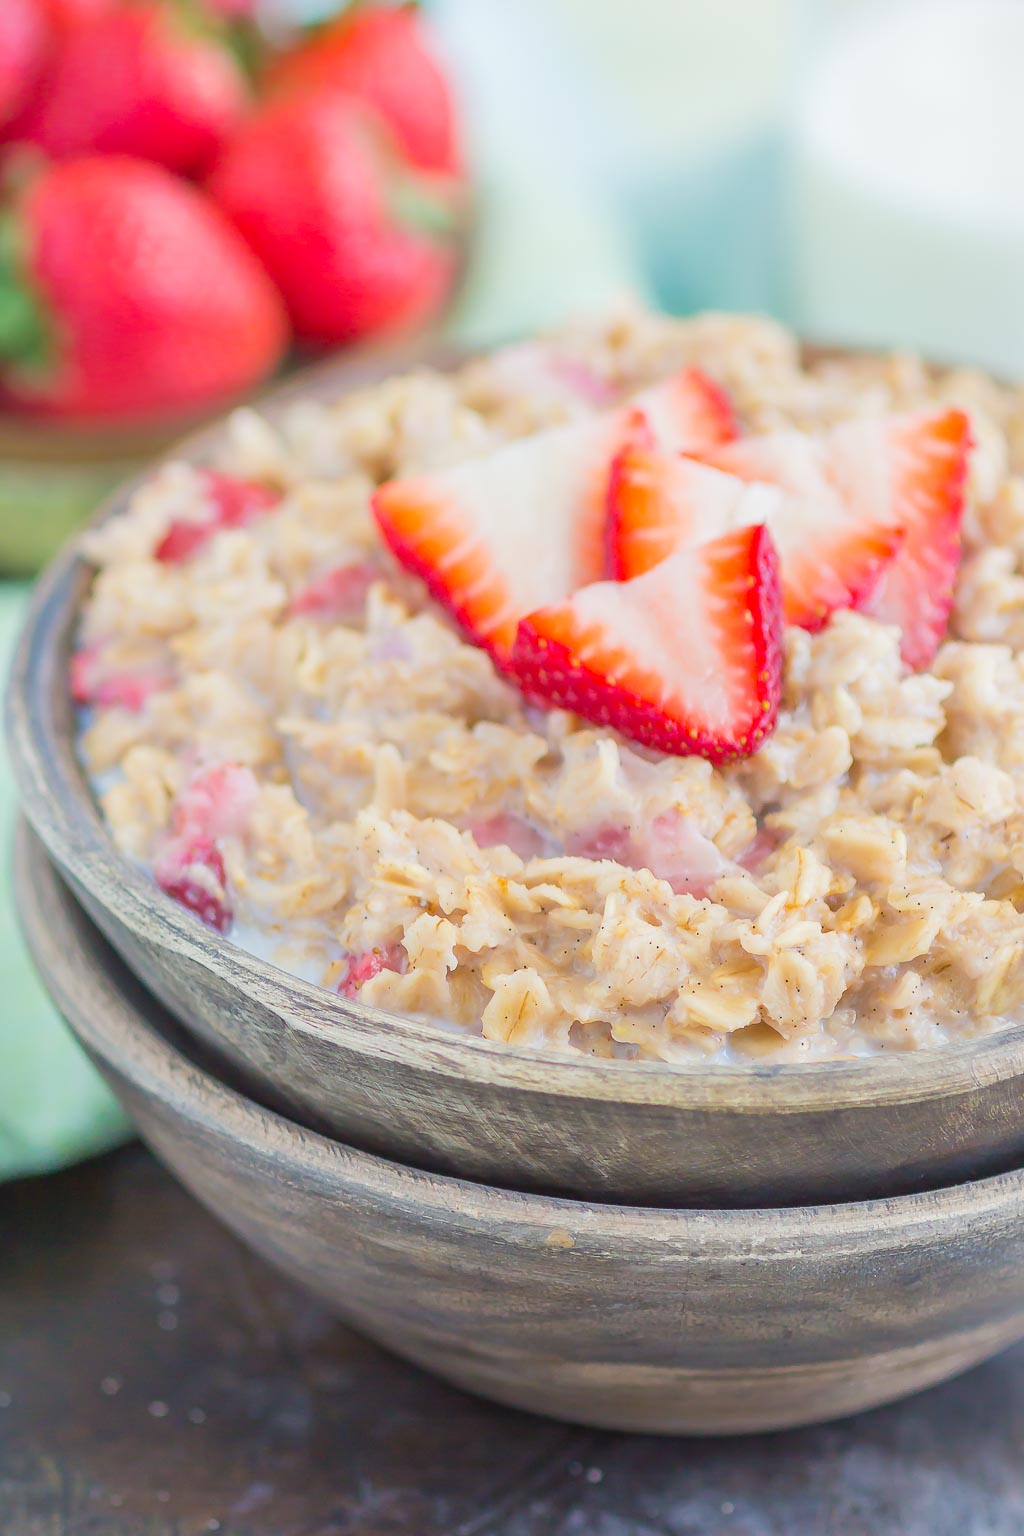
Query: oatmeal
{"x": 368, "y": 779}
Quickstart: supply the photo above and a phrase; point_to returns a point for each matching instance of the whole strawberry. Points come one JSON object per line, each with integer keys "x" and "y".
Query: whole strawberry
{"x": 66, "y": 13}
{"x": 348, "y": 233}
{"x": 125, "y": 293}
{"x": 380, "y": 55}
{"x": 23, "y": 39}
{"x": 139, "y": 79}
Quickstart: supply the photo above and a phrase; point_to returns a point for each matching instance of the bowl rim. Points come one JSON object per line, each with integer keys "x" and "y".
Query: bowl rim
{"x": 110, "y": 1013}
{"x": 58, "y": 802}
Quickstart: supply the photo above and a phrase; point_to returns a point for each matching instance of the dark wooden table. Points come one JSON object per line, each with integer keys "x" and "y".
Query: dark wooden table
{"x": 157, "y": 1380}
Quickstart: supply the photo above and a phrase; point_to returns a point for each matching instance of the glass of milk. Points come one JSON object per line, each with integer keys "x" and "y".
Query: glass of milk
{"x": 907, "y": 190}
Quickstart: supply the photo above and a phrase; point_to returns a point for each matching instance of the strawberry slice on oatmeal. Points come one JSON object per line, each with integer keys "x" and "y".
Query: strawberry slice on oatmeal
{"x": 905, "y": 473}
{"x": 504, "y": 533}
{"x": 684, "y": 659}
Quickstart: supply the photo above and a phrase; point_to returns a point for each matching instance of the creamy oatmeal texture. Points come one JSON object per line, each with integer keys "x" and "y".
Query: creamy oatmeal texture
{"x": 286, "y": 729}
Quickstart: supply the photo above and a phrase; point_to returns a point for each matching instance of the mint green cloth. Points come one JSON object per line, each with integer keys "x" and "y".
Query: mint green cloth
{"x": 53, "y": 1107}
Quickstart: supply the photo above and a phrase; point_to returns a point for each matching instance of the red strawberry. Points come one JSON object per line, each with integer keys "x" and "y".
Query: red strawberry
{"x": 686, "y": 659}
{"x": 136, "y": 81}
{"x": 360, "y": 969}
{"x": 23, "y": 41}
{"x": 190, "y": 866}
{"x": 125, "y": 294}
{"x": 523, "y": 526}
{"x": 672, "y": 847}
{"x": 688, "y": 413}
{"x": 94, "y": 682}
{"x": 905, "y": 472}
{"x": 380, "y": 55}
{"x": 928, "y": 462}
{"x": 338, "y": 223}
{"x": 67, "y": 13}
{"x": 217, "y": 803}
{"x": 193, "y": 874}
{"x": 231, "y": 504}
{"x": 658, "y": 504}
{"x": 339, "y": 595}
{"x": 507, "y": 830}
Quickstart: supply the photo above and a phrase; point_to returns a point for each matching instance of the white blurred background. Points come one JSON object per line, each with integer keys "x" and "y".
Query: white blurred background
{"x": 856, "y": 166}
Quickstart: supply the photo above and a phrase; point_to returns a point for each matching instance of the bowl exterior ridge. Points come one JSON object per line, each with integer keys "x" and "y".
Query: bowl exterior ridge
{"x": 694, "y": 1321}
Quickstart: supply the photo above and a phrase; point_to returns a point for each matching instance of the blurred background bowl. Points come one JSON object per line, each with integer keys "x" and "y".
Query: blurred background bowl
{"x": 52, "y": 479}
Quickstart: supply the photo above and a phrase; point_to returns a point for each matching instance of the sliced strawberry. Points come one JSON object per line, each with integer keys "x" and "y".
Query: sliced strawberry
{"x": 929, "y": 462}
{"x": 93, "y": 682}
{"x": 688, "y": 413}
{"x": 507, "y": 830}
{"x": 611, "y": 840}
{"x": 217, "y": 803}
{"x": 191, "y": 871}
{"x": 686, "y": 658}
{"x": 231, "y": 503}
{"x": 190, "y": 866}
{"x": 514, "y": 530}
{"x": 758, "y": 852}
{"x": 901, "y": 472}
{"x": 493, "y": 538}
{"x": 339, "y": 595}
{"x": 672, "y": 847}
{"x": 658, "y": 503}
{"x": 360, "y": 969}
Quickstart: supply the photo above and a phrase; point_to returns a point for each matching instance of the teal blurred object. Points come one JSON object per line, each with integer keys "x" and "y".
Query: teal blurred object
{"x": 53, "y": 1107}
{"x": 625, "y": 149}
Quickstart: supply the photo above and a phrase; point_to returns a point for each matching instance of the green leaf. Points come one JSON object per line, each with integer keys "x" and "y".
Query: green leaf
{"x": 430, "y": 207}
{"x": 26, "y": 335}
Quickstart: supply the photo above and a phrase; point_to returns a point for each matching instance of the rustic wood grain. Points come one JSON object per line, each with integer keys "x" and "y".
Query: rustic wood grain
{"x": 640, "y": 1133}
{"x": 282, "y": 1422}
{"x": 158, "y": 1379}
{"x": 670, "y": 1321}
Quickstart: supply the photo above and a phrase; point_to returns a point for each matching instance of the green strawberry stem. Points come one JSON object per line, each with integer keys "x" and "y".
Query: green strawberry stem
{"x": 429, "y": 205}
{"x": 25, "y": 333}
{"x": 320, "y": 24}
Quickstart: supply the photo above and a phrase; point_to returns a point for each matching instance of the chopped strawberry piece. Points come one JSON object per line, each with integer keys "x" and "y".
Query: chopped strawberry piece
{"x": 522, "y": 527}
{"x": 759, "y": 851}
{"x": 362, "y": 968}
{"x": 903, "y": 473}
{"x": 673, "y": 848}
{"x": 231, "y": 503}
{"x": 676, "y": 850}
{"x": 339, "y": 595}
{"x": 549, "y": 377}
{"x": 829, "y": 557}
{"x": 91, "y": 684}
{"x": 217, "y": 803}
{"x": 686, "y": 658}
{"x": 191, "y": 872}
{"x": 190, "y": 865}
{"x": 581, "y": 380}
{"x": 509, "y": 831}
{"x": 608, "y": 842}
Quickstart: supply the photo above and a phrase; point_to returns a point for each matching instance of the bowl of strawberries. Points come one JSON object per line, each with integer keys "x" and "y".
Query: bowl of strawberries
{"x": 187, "y": 206}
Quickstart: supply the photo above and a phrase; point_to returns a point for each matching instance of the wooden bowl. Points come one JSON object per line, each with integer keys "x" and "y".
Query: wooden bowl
{"x": 700, "y": 1322}
{"x": 642, "y": 1133}
{"x": 53, "y": 476}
